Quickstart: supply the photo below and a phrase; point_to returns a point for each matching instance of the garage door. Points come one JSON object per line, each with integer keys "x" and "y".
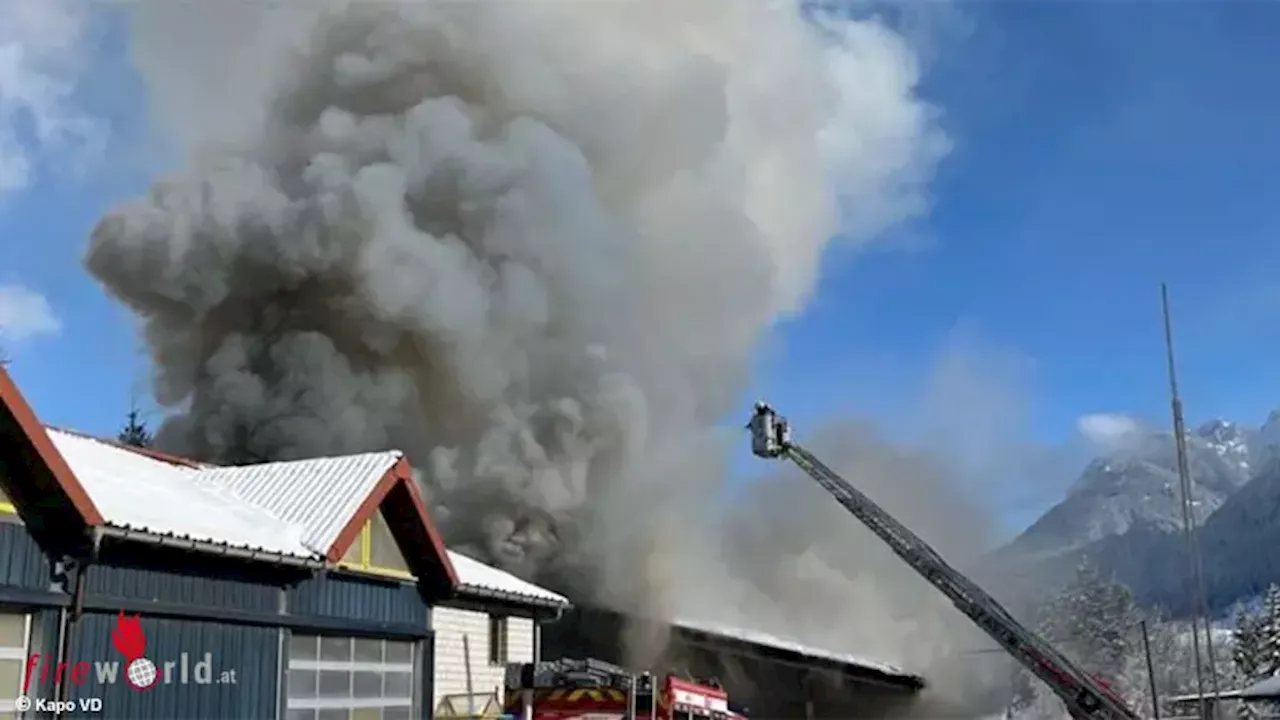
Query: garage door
{"x": 14, "y": 631}
{"x": 342, "y": 678}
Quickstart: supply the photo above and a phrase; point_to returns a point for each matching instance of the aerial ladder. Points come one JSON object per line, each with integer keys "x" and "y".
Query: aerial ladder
{"x": 1085, "y": 697}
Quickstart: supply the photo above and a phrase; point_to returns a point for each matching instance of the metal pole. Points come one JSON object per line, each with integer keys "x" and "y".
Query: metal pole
{"x": 1151, "y": 672}
{"x": 1188, "y": 522}
{"x": 808, "y": 696}
{"x": 466, "y": 660}
{"x": 631, "y": 698}
{"x": 653, "y": 686}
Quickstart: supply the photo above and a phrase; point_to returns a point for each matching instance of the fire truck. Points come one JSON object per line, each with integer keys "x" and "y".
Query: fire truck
{"x": 572, "y": 689}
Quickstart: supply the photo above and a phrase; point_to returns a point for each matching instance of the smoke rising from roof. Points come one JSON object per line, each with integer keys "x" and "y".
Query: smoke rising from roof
{"x": 533, "y": 244}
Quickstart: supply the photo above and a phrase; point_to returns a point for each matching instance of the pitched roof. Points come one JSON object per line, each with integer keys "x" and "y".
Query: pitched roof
{"x": 319, "y": 495}
{"x": 54, "y": 494}
{"x": 312, "y": 509}
{"x": 301, "y": 491}
{"x": 136, "y": 492}
{"x": 476, "y": 578}
{"x": 756, "y": 637}
{"x": 308, "y": 509}
{"x": 296, "y": 508}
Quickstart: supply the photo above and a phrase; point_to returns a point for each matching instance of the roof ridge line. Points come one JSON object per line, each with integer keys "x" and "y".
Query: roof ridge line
{"x": 390, "y": 451}
{"x": 144, "y": 452}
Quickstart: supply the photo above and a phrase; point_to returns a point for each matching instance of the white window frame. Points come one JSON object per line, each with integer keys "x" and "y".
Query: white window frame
{"x": 7, "y": 701}
{"x": 351, "y": 667}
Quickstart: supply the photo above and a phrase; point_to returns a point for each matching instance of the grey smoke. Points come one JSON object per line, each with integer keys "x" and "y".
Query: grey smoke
{"x": 533, "y": 244}
{"x": 801, "y": 567}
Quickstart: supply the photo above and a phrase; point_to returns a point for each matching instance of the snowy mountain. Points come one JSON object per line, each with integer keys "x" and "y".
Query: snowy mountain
{"x": 1239, "y": 542}
{"x": 1123, "y": 513}
{"x": 1138, "y": 485}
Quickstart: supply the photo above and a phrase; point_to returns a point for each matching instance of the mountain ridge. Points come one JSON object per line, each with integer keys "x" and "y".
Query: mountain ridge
{"x": 1123, "y": 513}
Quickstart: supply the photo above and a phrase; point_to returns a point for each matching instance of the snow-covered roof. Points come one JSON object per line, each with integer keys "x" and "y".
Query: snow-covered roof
{"x": 477, "y": 578}
{"x": 320, "y": 495}
{"x": 137, "y": 492}
{"x": 769, "y": 640}
{"x": 296, "y": 508}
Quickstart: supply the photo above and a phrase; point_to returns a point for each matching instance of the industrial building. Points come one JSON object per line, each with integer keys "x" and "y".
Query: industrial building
{"x": 164, "y": 588}
{"x": 767, "y": 676}
{"x": 310, "y": 590}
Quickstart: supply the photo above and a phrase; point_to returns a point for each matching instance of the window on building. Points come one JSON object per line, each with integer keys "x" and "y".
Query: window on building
{"x": 355, "y": 554}
{"x": 384, "y": 553}
{"x": 497, "y": 640}
{"x": 375, "y": 550}
{"x": 339, "y": 678}
{"x": 14, "y": 632}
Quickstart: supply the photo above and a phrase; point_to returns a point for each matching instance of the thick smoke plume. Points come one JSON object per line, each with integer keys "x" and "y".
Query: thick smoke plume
{"x": 533, "y": 244}
{"x": 803, "y": 568}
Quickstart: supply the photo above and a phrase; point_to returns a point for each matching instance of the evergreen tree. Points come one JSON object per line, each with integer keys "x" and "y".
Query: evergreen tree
{"x": 1246, "y": 646}
{"x": 1247, "y": 654}
{"x": 1171, "y": 663}
{"x": 135, "y": 431}
{"x": 1268, "y": 630}
{"x": 1095, "y": 622}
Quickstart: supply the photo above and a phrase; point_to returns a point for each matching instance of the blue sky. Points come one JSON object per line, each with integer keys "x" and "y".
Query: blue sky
{"x": 1100, "y": 148}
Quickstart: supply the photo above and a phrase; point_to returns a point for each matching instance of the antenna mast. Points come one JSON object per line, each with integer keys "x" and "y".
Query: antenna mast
{"x": 1188, "y": 525}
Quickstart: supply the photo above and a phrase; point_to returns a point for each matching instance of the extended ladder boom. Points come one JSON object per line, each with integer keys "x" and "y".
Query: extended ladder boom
{"x": 1084, "y": 696}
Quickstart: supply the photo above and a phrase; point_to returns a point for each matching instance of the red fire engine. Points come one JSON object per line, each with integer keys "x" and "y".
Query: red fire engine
{"x": 571, "y": 689}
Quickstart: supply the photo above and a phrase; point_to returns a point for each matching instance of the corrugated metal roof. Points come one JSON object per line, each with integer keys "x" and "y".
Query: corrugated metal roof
{"x": 479, "y": 578}
{"x": 320, "y": 494}
{"x": 762, "y": 638}
{"x": 295, "y": 508}
{"x": 136, "y": 492}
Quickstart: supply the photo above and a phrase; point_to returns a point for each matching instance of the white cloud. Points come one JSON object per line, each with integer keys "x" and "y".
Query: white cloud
{"x": 25, "y": 314}
{"x": 1109, "y": 431}
{"x": 41, "y": 43}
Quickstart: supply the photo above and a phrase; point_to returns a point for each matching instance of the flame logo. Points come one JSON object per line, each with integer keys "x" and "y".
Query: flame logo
{"x": 131, "y": 642}
{"x": 128, "y": 638}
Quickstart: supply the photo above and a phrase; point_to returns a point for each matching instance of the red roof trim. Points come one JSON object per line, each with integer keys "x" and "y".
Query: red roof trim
{"x": 35, "y": 434}
{"x": 399, "y": 474}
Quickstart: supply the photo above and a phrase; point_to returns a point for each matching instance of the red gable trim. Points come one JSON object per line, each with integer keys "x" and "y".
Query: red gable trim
{"x": 23, "y": 419}
{"x": 397, "y": 496}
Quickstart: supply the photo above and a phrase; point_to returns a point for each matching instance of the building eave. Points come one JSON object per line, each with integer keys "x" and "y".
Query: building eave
{"x": 126, "y": 534}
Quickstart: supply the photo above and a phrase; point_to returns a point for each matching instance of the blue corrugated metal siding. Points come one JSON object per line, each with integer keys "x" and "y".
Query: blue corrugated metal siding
{"x": 44, "y": 632}
{"x": 250, "y": 652}
{"x": 22, "y": 562}
{"x": 357, "y": 599}
{"x": 186, "y": 587}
